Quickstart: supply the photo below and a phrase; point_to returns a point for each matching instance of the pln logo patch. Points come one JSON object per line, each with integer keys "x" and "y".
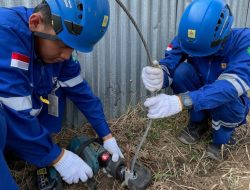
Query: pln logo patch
{"x": 191, "y": 33}
{"x": 75, "y": 56}
{"x": 223, "y": 65}
{"x": 248, "y": 50}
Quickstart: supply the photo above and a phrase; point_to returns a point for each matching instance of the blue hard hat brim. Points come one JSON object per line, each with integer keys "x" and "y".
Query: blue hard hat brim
{"x": 199, "y": 53}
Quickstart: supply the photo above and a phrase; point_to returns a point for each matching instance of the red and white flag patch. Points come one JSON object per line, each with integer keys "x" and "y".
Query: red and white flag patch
{"x": 20, "y": 61}
{"x": 170, "y": 47}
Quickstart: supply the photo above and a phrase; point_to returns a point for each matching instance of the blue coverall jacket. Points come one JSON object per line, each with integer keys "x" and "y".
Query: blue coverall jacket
{"x": 217, "y": 84}
{"x": 25, "y": 78}
{"x": 6, "y": 180}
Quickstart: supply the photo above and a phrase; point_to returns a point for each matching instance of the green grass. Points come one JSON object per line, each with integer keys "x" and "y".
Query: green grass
{"x": 162, "y": 176}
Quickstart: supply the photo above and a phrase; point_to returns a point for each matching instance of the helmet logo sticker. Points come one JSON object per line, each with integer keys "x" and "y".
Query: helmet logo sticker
{"x": 191, "y": 33}
{"x": 105, "y": 21}
{"x": 68, "y": 4}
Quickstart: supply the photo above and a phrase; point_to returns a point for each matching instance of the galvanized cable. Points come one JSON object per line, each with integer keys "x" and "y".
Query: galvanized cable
{"x": 152, "y": 64}
{"x": 137, "y": 29}
{"x": 140, "y": 145}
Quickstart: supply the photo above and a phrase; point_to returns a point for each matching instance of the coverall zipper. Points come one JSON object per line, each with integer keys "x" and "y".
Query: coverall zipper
{"x": 208, "y": 73}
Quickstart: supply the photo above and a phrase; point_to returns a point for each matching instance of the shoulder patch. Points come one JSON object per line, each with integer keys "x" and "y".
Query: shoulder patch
{"x": 223, "y": 65}
{"x": 20, "y": 61}
{"x": 170, "y": 47}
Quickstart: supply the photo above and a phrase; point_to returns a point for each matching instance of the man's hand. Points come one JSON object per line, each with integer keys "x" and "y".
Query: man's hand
{"x": 111, "y": 146}
{"x": 72, "y": 168}
{"x": 162, "y": 106}
{"x": 152, "y": 78}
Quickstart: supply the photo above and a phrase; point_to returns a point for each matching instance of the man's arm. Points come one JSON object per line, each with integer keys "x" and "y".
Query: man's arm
{"x": 26, "y": 137}
{"x": 231, "y": 84}
{"x": 173, "y": 57}
{"x": 78, "y": 90}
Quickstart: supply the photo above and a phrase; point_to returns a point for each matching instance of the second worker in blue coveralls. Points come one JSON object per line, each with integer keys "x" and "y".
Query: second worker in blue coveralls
{"x": 208, "y": 66}
{"x": 36, "y": 64}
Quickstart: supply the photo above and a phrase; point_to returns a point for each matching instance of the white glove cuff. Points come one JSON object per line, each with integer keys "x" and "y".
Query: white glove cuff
{"x": 175, "y": 101}
{"x": 64, "y": 162}
{"x": 109, "y": 143}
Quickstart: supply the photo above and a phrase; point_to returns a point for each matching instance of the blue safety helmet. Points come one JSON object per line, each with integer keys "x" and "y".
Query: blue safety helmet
{"x": 204, "y": 26}
{"x": 80, "y": 24}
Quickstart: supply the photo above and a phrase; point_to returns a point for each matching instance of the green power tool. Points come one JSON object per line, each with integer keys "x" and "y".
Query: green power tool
{"x": 93, "y": 153}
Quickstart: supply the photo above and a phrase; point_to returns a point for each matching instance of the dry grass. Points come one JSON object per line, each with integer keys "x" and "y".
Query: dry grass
{"x": 174, "y": 166}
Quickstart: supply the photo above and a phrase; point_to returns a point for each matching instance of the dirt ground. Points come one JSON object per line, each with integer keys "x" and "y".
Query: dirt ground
{"x": 174, "y": 166}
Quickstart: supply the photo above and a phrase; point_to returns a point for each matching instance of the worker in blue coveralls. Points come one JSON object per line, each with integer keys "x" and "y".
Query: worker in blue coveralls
{"x": 38, "y": 72}
{"x": 208, "y": 67}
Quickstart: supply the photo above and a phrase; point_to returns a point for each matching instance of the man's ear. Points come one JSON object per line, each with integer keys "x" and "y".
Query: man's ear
{"x": 36, "y": 23}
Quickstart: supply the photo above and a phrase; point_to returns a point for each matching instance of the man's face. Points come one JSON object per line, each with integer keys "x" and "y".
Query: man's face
{"x": 52, "y": 51}
{"x": 49, "y": 51}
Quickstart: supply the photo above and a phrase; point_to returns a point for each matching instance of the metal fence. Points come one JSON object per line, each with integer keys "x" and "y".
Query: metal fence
{"x": 113, "y": 68}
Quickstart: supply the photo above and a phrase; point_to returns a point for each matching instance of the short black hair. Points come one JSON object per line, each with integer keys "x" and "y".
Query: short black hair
{"x": 44, "y": 8}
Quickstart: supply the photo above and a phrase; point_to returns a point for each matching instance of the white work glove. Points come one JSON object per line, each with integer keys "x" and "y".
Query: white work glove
{"x": 152, "y": 78}
{"x": 111, "y": 146}
{"x": 162, "y": 106}
{"x": 72, "y": 168}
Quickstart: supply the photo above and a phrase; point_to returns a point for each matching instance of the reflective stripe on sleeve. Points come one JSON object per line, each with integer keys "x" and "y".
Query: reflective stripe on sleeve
{"x": 240, "y": 85}
{"x": 35, "y": 112}
{"x": 17, "y": 103}
{"x": 72, "y": 82}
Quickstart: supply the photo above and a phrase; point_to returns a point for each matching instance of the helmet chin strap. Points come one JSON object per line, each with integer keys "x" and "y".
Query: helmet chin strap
{"x": 46, "y": 36}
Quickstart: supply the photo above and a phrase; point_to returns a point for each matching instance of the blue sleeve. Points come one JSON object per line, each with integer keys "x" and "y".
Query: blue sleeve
{"x": 78, "y": 90}
{"x": 26, "y": 137}
{"x": 173, "y": 57}
{"x": 231, "y": 84}
{"x": 6, "y": 180}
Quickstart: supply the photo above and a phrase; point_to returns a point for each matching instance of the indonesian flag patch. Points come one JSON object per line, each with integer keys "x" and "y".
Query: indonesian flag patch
{"x": 20, "y": 61}
{"x": 170, "y": 47}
